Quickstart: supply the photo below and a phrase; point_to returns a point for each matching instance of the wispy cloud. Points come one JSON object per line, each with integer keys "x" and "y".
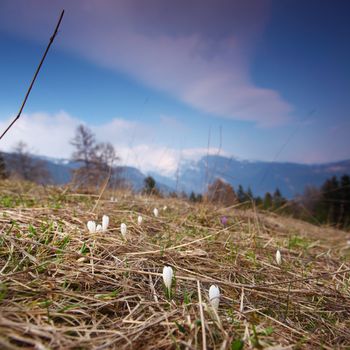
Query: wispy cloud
{"x": 198, "y": 51}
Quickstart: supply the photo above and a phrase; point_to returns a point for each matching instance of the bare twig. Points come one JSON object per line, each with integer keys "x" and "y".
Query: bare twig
{"x": 35, "y": 75}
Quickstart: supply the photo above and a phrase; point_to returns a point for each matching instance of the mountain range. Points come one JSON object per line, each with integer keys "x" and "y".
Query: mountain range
{"x": 261, "y": 177}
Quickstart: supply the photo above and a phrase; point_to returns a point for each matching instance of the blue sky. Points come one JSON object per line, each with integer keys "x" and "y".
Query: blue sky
{"x": 267, "y": 80}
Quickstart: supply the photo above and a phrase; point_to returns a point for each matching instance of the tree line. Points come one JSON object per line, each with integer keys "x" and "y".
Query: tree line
{"x": 329, "y": 204}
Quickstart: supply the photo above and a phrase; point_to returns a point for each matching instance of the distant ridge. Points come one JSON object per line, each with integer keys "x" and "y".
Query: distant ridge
{"x": 61, "y": 172}
{"x": 262, "y": 177}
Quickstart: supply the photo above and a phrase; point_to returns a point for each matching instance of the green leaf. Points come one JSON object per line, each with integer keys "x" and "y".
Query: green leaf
{"x": 237, "y": 344}
{"x": 198, "y": 323}
{"x": 181, "y": 328}
{"x": 110, "y": 295}
{"x": 70, "y": 307}
{"x": 255, "y": 338}
{"x": 3, "y": 291}
{"x": 187, "y": 297}
{"x": 268, "y": 331}
{"x": 32, "y": 231}
{"x": 84, "y": 249}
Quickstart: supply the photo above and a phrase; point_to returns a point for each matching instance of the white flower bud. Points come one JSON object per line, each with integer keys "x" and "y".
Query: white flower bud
{"x": 105, "y": 223}
{"x": 91, "y": 225}
{"x": 214, "y": 296}
{"x": 278, "y": 257}
{"x": 123, "y": 229}
{"x": 167, "y": 276}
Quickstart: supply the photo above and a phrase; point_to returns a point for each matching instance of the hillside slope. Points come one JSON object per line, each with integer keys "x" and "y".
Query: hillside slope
{"x": 65, "y": 288}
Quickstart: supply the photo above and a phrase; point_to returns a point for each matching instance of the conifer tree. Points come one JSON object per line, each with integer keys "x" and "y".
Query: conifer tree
{"x": 241, "y": 195}
{"x": 3, "y": 169}
{"x": 267, "y": 200}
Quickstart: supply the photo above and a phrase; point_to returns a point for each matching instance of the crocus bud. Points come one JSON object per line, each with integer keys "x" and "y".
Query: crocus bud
{"x": 214, "y": 296}
{"x": 139, "y": 219}
{"x": 224, "y": 220}
{"x": 155, "y": 212}
{"x": 98, "y": 228}
{"x": 278, "y": 257}
{"x": 91, "y": 225}
{"x": 105, "y": 223}
{"x": 165, "y": 208}
{"x": 167, "y": 276}
{"x": 123, "y": 229}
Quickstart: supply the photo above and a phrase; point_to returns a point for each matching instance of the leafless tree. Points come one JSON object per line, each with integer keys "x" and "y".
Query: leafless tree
{"x": 221, "y": 192}
{"x": 85, "y": 146}
{"x": 96, "y": 159}
{"x": 25, "y": 166}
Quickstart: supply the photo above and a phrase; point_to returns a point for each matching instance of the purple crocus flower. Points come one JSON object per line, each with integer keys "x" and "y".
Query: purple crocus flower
{"x": 224, "y": 220}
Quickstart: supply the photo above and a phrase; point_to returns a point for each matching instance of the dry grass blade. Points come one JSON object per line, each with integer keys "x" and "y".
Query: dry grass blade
{"x": 63, "y": 288}
{"x": 204, "y": 336}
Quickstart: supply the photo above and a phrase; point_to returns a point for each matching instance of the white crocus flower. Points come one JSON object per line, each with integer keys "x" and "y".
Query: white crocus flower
{"x": 155, "y": 212}
{"x": 91, "y": 225}
{"x": 214, "y": 296}
{"x": 278, "y": 257}
{"x": 123, "y": 229}
{"x": 167, "y": 278}
{"x": 139, "y": 219}
{"x": 165, "y": 207}
{"x": 98, "y": 228}
{"x": 105, "y": 223}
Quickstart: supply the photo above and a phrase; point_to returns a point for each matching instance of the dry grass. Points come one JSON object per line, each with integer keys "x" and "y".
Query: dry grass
{"x": 63, "y": 288}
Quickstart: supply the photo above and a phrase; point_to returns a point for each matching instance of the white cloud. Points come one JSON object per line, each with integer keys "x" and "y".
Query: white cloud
{"x": 151, "y": 158}
{"x": 50, "y": 135}
{"x": 177, "y": 53}
{"x": 45, "y": 134}
{"x": 160, "y": 159}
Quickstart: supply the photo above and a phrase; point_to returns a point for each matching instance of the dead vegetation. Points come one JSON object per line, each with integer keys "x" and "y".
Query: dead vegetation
{"x": 63, "y": 288}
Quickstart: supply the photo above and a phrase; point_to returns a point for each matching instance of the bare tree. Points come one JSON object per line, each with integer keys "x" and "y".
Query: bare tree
{"x": 96, "y": 159}
{"x": 221, "y": 192}
{"x": 25, "y": 166}
{"x": 85, "y": 144}
{"x": 105, "y": 155}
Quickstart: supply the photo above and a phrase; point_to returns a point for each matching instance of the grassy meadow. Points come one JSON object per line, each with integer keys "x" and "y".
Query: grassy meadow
{"x": 62, "y": 287}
